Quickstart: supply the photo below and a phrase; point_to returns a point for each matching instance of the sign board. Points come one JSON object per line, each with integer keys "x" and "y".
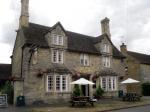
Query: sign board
{"x": 3, "y": 100}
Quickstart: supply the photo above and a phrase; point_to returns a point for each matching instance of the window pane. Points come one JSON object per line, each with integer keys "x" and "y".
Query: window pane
{"x": 109, "y": 84}
{"x": 57, "y": 83}
{"x": 54, "y": 54}
{"x": 60, "y": 56}
{"x": 50, "y": 82}
{"x": 104, "y": 83}
{"x": 64, "y": 82}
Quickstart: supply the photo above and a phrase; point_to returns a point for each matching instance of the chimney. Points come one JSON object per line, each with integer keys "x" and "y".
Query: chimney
{"x": 105, "y": 27}
{"x": 24, "y": 17}
{"x": 123, "y": 48}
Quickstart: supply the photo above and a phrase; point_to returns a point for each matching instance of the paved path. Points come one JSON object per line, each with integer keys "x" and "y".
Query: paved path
{"x": 15, "y": 109}
{"x": 135, "y": 109}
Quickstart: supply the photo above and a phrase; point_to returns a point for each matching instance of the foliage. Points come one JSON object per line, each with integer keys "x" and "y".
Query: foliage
{"x": 8, "y": 89}
{"x": 146, "y": 89}
{"x": 77, "y": 91}
{"x": 99, "y": 92}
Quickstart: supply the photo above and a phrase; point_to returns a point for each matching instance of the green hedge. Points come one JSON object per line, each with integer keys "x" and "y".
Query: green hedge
{"x": 146, "y": 89}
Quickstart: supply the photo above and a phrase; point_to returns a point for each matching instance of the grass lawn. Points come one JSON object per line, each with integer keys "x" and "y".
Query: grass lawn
{"x": 99, "y": 106}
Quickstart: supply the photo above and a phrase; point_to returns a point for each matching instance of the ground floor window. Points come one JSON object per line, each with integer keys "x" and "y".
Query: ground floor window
{"x": 108, "y": 83}
{"x": 57, "y": 83}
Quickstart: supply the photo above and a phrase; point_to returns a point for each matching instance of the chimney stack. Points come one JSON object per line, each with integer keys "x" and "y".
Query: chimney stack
{"x": 24, "y": 17}
{"x": 123, "y": 48}
{"x": 105, "y": 27}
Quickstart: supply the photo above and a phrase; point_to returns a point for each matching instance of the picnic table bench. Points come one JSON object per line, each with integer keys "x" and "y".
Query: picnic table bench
{"x": 131, "y": 97}
{"x": 82, "y": 101}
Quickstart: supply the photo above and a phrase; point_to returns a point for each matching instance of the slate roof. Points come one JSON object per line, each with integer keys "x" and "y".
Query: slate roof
{"x": 143, "y": 58}
{"x": 76, "y": 42}
{"x": 5, "y": 71}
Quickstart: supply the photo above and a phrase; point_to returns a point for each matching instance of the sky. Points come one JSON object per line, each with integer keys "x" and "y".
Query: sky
{"x": 129, "y": 20}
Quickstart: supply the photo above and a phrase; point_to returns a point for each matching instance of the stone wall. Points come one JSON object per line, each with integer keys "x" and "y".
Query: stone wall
{"x": 17, "y": 63}
{"x": 145, "y": 73}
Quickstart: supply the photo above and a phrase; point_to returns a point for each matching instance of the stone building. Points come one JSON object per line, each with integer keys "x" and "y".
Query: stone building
{"x": 138, "y": 67}
{"x": 46, "y": 59}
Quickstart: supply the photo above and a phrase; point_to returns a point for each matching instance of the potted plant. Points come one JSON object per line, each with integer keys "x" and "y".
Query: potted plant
{"x": 77, "y": 91}
{"x": 98, "y": 93}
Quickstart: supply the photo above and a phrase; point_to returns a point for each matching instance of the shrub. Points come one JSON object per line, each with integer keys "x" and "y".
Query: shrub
{"x": 99, "y": 92}
{"x": 8, "y": 89}
{"x": 77, "y": 91}
{"x": 146, "y": 89}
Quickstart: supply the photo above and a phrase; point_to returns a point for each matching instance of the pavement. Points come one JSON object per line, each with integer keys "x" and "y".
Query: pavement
{"x": 145, "y": 108}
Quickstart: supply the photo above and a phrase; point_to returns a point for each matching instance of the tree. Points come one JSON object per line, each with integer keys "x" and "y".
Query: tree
{"x": 8, "y": 89}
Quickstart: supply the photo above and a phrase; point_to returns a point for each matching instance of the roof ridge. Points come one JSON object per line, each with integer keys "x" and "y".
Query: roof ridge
{"x": 138, "y": 53}
{"x": 87, "y": 36}
{"x": 66, "y": 30}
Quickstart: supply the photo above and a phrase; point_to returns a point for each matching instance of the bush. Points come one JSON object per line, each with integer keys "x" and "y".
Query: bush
{"x": 99, "y": 92}
{"x": 146, "y": 89}
{"x": 8, "y": 89}
{"x": 77, "y": 91}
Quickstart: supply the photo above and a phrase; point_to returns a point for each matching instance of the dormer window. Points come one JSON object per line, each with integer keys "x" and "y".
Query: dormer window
{"x": 84, "y": 60}
{"x": 57, "y": 39}
{"x": 106, "y": 48}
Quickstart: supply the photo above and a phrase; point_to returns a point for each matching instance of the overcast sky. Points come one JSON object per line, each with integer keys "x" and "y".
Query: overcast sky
{"x": 129, "y": 20}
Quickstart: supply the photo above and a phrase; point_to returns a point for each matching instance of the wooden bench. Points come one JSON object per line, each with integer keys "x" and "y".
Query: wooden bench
{"x": 82, "y": 101}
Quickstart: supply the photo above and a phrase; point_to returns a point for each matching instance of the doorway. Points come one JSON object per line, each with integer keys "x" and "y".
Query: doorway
{"x": 85, "y": 90}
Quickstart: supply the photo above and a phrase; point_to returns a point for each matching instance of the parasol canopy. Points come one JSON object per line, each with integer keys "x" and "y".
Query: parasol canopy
{"x": 82, "y": 81}
{"x": 129, "y": 81}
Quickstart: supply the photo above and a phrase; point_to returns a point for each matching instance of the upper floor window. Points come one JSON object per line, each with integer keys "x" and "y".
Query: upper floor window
{"x": 106, "y": 48}
{"x": 57, "y": 56}
{"x": 84, "y": 60}
{"x": 106, "y": 61}
{"x": 57, "y": 39}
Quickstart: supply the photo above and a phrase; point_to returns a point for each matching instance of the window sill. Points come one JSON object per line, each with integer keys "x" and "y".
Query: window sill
{"x": 57, "y": 63}
{"x": 85, "y": 65}
{"x": 51, "y": 93}
{"x": 57, "y": 45}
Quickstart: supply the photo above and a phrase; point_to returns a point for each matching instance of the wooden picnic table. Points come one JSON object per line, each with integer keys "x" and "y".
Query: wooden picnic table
{"x": 82, "y": 100}
{"x": 131, "y": 97}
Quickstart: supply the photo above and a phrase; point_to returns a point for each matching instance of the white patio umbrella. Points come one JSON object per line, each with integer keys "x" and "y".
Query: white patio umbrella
{"x": 129, "y": 81}
{"x": 82, "y": 81}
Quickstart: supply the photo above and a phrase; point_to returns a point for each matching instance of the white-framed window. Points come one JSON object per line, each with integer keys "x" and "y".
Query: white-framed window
{"x": 106, "y": 61}
{"x": 106, "y": 48}
{"x": 57, "y": 56}
{"x": 84, "y": 60}
{"x": 60, "y": 82}
{"x": 57, "y": 39}
{"x": 108, "y": 83}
